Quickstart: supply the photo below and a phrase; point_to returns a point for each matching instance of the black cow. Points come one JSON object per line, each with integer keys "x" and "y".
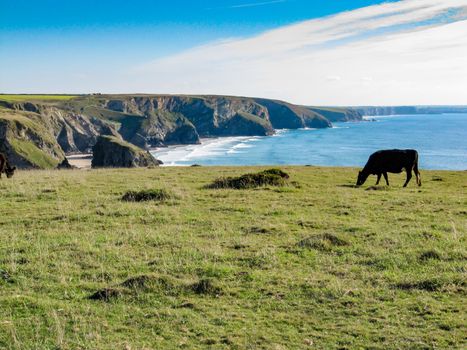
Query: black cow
{"x": 5, "y": 166}
{"x": 391, "y": 161}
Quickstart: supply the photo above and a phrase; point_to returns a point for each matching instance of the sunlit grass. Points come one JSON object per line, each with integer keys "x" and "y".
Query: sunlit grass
{"x": 20, "y": 98}
{"x": 314, "y": 264}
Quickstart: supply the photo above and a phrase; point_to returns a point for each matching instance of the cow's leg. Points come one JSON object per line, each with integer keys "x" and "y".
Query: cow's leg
{"x": 409, "y": 176}
{"x": 417, "y": 174}
{"x": 379, "y": 178}
{"x": 386, "y": 178}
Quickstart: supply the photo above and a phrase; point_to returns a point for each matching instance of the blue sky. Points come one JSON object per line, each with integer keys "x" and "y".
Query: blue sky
{"x": 116, "y": 46}
{"x": 144, "y": 28}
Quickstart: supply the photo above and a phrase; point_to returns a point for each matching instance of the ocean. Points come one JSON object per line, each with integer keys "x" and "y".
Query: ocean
{"x": 441, "y": 140}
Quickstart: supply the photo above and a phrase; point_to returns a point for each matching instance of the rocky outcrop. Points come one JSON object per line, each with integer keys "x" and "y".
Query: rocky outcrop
{"x": 113, "y": 152}
{"x": 65, "y": 164}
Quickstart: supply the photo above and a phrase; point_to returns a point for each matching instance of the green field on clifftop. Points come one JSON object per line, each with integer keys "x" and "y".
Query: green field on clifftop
{"x": 315, "y": 264}
{"x": 26, "y": 97}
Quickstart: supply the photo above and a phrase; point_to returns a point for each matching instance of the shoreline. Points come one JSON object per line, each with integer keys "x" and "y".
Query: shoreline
{"x": 80, "y": 160}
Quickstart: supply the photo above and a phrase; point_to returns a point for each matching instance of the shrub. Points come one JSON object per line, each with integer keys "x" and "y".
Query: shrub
{"x": 147, "y": 195}
{"x": 271, "y": 177}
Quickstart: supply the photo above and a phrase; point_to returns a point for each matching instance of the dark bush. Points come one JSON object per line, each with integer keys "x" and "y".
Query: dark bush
{"x": 271, "y": 177}
{"x": 147, "y": 195}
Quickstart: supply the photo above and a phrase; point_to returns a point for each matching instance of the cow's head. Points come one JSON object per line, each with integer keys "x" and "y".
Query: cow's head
{"x": 361, "y": 178}
{"x": 10, "y": 171}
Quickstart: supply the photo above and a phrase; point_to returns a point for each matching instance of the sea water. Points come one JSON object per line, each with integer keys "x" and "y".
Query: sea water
{"x": 441, "y": 140}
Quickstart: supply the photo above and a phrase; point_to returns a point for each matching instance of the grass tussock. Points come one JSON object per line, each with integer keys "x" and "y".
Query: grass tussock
{"x": 147, "y": 195}
{"x": 270, "y": 177}
{"x": 430, "y": 255}
{"x": 206, "y": 286}
{"x": 322, "y": 242}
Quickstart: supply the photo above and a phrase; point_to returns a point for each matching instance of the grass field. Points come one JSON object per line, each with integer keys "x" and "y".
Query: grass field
{"x": 316, "y": 264}
{"x": 33, "y": 98}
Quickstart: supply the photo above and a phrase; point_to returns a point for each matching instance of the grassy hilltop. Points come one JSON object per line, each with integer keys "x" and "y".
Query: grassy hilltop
{"x": 315, "y": 264}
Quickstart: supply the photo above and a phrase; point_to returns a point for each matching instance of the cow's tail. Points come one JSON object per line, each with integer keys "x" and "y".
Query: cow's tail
{"x": 415, "y": 170}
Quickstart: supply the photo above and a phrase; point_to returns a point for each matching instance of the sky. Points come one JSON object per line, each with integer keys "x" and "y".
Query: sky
{"x": 314, "y": 52}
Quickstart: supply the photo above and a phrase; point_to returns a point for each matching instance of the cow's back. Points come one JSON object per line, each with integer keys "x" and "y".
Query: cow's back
{"x": 392, "y": 161}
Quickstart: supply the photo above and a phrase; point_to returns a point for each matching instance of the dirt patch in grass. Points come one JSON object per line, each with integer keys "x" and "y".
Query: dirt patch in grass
{"x": 6, "y": 276}
{"x": 162, "y": 285}
{"x": 456, "y": 285}
{"x": 430, "y": 255}
{"x": 106, "y": 294}
{"x": 147, "y": 195}
{"x": 322, "y": 242}
{"x": 206, "y": 286}
{"x": 431, "y": 285}
{"x": 271, "y": 177}
{"x": 260, "y": 230}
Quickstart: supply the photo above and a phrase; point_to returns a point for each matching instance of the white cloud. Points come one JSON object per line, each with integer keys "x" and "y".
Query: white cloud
{"x": 408, "y": 52}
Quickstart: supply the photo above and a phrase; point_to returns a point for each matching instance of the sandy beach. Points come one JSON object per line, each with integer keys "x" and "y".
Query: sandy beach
{"x": 81, "y": 161}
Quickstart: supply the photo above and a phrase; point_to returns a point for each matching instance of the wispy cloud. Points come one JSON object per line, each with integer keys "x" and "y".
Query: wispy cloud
{"x": 254, "y": 4}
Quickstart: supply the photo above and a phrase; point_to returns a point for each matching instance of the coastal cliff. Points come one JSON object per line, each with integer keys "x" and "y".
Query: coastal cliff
{"x": 57, "y": 125}
{"x": 401, "y": 110}
{"x": 338, "y": 114}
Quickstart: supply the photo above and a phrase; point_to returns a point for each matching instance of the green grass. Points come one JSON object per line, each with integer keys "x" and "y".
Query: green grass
{"x": 319, "y": 265}
{"x": 28, "y": 150}
{"x": 21, "y": 130}
{"x": 26, "y": 98}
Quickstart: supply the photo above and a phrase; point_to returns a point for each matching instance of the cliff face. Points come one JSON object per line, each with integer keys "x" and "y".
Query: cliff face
{"x": 284, "y": 115}
{"x": 113, "y": 152}
{"x": 73, "y": 131}
{"x": 375, "y": 111}
{"x": 166, "y": 120}
{"x": 338, "y": 114}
